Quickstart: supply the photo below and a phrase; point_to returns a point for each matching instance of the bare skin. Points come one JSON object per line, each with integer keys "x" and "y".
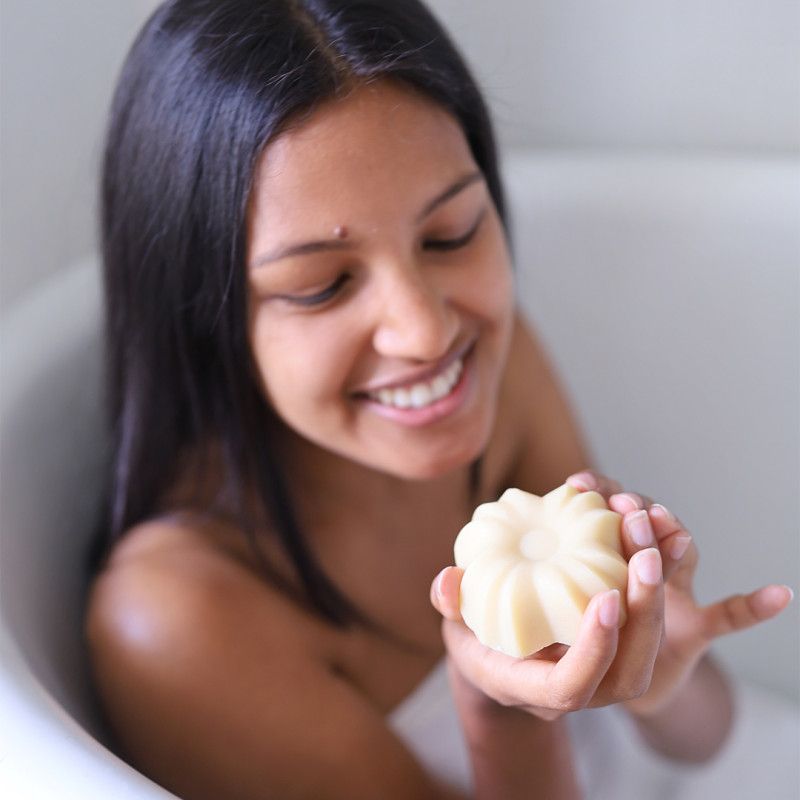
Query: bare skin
{"x": 217, "y": 684}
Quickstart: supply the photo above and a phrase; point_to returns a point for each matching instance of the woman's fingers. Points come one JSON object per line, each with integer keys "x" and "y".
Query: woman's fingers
{"x": 744, "y": 610}
{"x": 678, "y": 550}
{"x": 644, "y": 523}
{"x": 507, "y": 680}
{"x": 591, "y": 481}
{"x": 573, "y": 680}
{"x": 647, "y": 524}
{"x": 623, "y": 502}
{"x": 445, "y": 593}
{"x": 632, "y": 670}
{"x": 540, "y": 683}
{"x": 637, "y": 532}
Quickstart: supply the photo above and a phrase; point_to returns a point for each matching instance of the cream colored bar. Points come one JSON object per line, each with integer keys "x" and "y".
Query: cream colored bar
{"x": 533, "y": 563}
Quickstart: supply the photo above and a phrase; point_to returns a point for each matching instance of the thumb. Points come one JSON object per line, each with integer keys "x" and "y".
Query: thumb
{"x": 445, "y": 592}
{"x": 742, "y": 611}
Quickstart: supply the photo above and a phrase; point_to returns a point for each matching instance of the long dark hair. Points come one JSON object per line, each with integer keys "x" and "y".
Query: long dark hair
{"x": 206, "y": 85}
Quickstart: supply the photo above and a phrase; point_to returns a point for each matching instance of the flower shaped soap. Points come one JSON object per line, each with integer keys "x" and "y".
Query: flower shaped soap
{"x": 533, "y": 563}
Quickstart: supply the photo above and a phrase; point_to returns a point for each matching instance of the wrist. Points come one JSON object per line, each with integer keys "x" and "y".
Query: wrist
{"x": 474, "y": 705}
{"x": 665, "y": 689}
{"x": 693, "y": 723}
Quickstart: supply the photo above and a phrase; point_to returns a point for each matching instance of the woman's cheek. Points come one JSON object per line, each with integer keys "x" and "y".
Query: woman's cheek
{"x": 494, "y": 283}
{"x": 274, "y": 345}
{"x": 305, "y": 359}
{"x": 492, "y": 291}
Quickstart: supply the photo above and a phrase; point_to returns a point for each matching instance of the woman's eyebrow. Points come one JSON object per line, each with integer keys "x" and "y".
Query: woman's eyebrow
{"x": 345, "y": 244}
{"x": 459, "y": 185}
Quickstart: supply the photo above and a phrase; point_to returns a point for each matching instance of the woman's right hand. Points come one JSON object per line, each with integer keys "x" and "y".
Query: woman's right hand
{"x": 604, "y": 666}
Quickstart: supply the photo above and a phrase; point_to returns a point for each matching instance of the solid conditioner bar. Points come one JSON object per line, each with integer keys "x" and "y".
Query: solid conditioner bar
{"x": 532, "y": 564}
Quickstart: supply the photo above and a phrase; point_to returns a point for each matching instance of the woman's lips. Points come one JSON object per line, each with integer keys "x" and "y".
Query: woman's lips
{"x": 433, "y": 411}
{"x": 421, "y": 376}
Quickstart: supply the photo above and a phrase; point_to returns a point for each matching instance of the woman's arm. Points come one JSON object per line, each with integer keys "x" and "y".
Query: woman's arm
{"x": 695, "y": 725}
{"x": 514, "y": 754}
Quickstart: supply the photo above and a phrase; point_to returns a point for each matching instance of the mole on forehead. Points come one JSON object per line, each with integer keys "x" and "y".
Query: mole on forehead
{"x": 341, "y": 232}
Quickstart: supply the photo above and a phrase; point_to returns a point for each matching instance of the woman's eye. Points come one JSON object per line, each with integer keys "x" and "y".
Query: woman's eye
{"x": 320, "y": 297}
{"x": 453, "y": 244}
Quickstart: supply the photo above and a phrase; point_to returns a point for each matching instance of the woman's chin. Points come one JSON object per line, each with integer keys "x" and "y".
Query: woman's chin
{"x": 431, "y": 465}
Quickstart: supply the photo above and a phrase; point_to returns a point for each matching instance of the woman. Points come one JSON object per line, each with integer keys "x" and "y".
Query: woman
{"x": 316, "y": 372}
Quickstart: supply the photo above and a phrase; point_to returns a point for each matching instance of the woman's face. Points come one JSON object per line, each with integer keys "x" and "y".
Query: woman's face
{"x": 380, "y": 287}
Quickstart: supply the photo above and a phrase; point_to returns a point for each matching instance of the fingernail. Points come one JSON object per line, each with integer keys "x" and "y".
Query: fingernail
{"x": 648, "y": 566}
{"x": 640, "y": 529}
{"x": 582, "y": 481}
{"x": 608, "y": 613}
{"x": 680, "y": 546}
{"x": 632, "y": 499}
{"x": 659, "y": 509}
{"x": 437, "y": 586}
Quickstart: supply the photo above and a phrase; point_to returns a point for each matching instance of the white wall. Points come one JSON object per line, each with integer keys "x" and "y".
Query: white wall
{"x": 58, "y": 65}
{"x": 718, "y": 74}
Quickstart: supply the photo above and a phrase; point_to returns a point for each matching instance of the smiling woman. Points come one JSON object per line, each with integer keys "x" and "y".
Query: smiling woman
{"x": 192, "y": 149}
{"x": 316, "y": 371}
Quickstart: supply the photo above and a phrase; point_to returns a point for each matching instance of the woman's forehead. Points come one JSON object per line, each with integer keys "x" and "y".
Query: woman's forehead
{"x": 379, "y": 141}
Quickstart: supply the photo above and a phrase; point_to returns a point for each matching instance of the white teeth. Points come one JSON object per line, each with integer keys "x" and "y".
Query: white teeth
{"x": 440, "y": 385}
{"x": 454, "y": 371}
{"x": 401, "y": 398}
{"x": 422, "y": 394}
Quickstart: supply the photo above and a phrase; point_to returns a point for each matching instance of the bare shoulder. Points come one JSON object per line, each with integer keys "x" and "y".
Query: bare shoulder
{"x": 217, "y": 686}
{"x": 549, "y": 444}
{"x": 173, "y": 565}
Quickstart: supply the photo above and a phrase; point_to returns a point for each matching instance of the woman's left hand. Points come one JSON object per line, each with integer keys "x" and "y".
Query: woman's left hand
{"x": 689, "y": 629}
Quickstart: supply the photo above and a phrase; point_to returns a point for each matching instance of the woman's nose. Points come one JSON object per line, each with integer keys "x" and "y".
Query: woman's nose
{"x": 416, "y": 320}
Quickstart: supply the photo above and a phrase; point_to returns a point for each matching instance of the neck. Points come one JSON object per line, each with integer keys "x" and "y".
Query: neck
{"x": 336, "y": 482}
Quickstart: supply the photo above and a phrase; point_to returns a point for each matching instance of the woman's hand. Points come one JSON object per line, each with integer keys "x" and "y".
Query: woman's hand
{"x": 644, "y": 664}
{"x": 689, "y": 628}
{"x": 604, "y": 666}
